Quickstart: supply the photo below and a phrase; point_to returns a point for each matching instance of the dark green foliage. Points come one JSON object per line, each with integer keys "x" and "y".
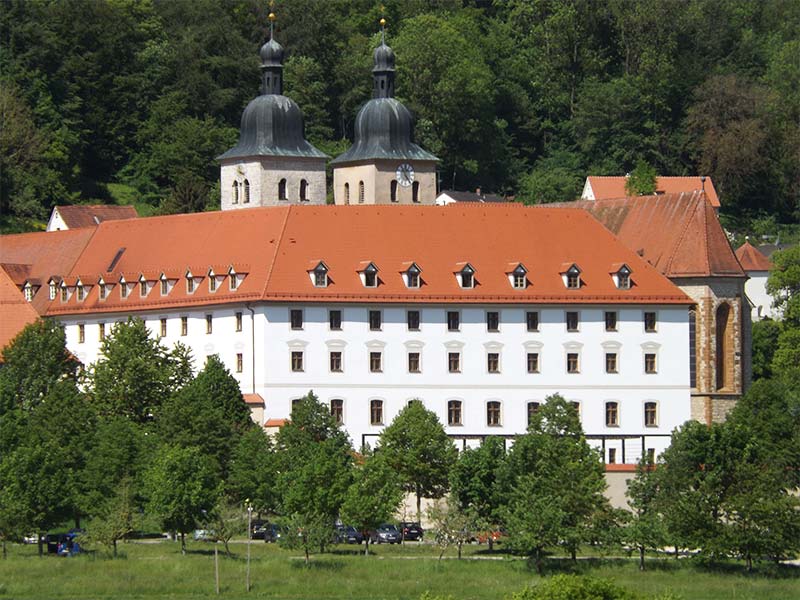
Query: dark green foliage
{"x": 516, "y": 96}
{"x": 644, "y": 529}
{"x": 474, "y": 479}
{"x": 574, "y": 587}
{"x": 252, "y": 471}
{"x": 642, "y": 180}
{"x": 765, "y": 340}
{"x": 416, "y": 446}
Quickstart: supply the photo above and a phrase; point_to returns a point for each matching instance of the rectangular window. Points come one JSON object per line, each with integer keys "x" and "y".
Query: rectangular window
{"x": 533, "y": 362}
{"x": 572, "y": 362}
{"x": 493, "y": 362}
{"x": 651, "y": 456}
{"x": 454, "y": 362}
{"x": 81, "y": 293}
{"x": 413, "y": 362}
{"x": 572, "y": 320}
{"x": 335, "y": 320}
{"x": 493, "y": 414}
{"x": 375, "y": 362}
{"x": 454, "y": 412}
{"x": 412, "y": 319}
{"x": 184, "y": 325}
{"x": 611, "y": 362}
{"x": 375, "y": 320}
{"x": 234, "y": 282}
{"x": 238, "y": 321}
{"x": 376, "y": 412}
{"x": 296, "y": 318}
{"x": 612, "y": 456}
{"x": 103, "y": 291}
{"x": 370, "y": 279}
{"x": 190, "y": 284}
{"x": 533, "y": 408}
{"x": 612, "y": 414}
{"x": 336, "y": 362}
{"x": 611, "y": 320}
{"x": 212, "y": 283}
{"x": 650, "y": 363}
{"x": 321, "y": 278}
{"x": 52, "y": 291}
{"x": 413, "y": 279}
{"x": 650, "y": 416}
{"x": 650, "y": 322}
{"x": 164, "y": 287}
{"x": 532, "y": 320}
{"x": 337, "y": 411}
{"x": 163, "y": 328}
{"x": 493, "y": 321}
{"x": 573, "y": 281}
{"x": 64, "y": 294}
{"x": 143, "y": 288}
{"x": 297, "y": 361}
{"x": 453, "y": 320}
{"x": 101, "y": 331}
{"x": 239, "y": 362}
{"x": 520, "y": 281}
{"x": 81, "y": 333}
{"x": 209, "y": 324}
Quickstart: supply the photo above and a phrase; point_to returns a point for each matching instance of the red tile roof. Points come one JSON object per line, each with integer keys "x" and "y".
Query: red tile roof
{"x": 15, "y": 311}
{"x": 679, "y": 234}
{"x": 605, "y": 188}
{"x": 43, "y": 254}
{"x": 253, "y": 399}
{"x": 752, "y": 259}
{"x": 79, "y": 215}
{"x": 274, "y": 246}
{"x": 275, "y": 422}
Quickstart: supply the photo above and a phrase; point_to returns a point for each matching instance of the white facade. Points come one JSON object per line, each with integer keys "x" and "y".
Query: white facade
{"x": 257, "y": 182}
{"x": 56, "y": 222}
{"x": 756, "y": 290}
{"x": 260, "y": 357}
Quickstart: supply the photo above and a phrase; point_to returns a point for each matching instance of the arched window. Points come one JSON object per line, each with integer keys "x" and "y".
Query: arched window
{"x": 361, "y": 192}
{"x": 723, "y": 362}
{"x": 415, "y": 191}
{"x": 394, "y": 190}
{"x": 236, "y": 192}
{"x": 282, "y": 190}
{"x": 246, "y": 191}
{"x": 347, "y": 193}
{"x": 303, "y": 190}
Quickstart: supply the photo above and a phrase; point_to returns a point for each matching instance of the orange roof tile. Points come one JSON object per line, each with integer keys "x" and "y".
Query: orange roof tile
{"x": 679, "y": 234}
{"x": 605, "y": 188}
{"x": 15, "y": 311}
{"x": 275, "y": 422}
{"x": 81, "y": 215}
{"x": 46, "y": 253}
{"x": 277, "y": 242}
{"x": 254, "y": 399}
{"x": 752, "y": 259}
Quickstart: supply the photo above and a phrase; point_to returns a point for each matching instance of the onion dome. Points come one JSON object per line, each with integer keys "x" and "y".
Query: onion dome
{"x": 272, "y": 124}
{"x": 384, "y": 127}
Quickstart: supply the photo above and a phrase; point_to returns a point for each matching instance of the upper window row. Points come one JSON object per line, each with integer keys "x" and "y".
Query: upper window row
{"x": 241, "y": 191}
{"x": 466, "y": 276}
{"x": 165, "y": 284}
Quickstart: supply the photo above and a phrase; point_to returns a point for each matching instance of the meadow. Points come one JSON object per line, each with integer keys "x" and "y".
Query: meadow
{"x": 156, "y": 570}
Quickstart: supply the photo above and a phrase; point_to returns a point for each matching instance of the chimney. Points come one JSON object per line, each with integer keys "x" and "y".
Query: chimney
{"x": 478, "y": 191}
{"x": 703, "y": 183}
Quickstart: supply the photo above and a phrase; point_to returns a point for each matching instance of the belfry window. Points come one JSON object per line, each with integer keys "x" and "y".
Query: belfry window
{"x": 282, "y": 190}
{"x": 361, "y": 192}
{"x": 246, "y": 191}
{"x": 415, "y": 192}
{"x": 347, "y": 193}
{"x": 303, "y": 190}
{"x": 236, "y": 192}
{"x": 393, "y": 190}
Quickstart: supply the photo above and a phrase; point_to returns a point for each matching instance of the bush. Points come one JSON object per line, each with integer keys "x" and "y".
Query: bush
{"x": 574, "y": 587}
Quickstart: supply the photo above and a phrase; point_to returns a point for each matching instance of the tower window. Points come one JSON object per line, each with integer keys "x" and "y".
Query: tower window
{"x": 415, "y": 192}
{"x": 361, "y": 192}
{"x": 347, "y": 193}
{"x": 303, "y": 190}
{"x": 282, "y": 190}
{"x": 236, "y": 192}
{"x": 246, "y": 191}
{"x": 394, "y": 190}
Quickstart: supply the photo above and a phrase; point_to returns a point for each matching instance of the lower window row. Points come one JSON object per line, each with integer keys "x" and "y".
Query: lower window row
{"x": 455, "y": 412}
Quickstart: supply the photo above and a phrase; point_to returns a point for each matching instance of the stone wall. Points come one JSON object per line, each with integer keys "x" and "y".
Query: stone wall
{"x": 264, "y": 175}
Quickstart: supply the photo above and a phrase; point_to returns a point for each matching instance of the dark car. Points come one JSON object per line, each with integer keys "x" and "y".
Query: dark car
{"x": 385, "y": 534}
{"x": 347, "y": 534}
{"x": 258, "y": 528}
{"x": 273, "y": 532}
{"x": 411, "y": 530}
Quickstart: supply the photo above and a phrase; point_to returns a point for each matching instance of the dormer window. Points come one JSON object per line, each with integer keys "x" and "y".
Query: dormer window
{"x": 164, "y": 285}
{"x": 28, "y": 292}
{"x": 319, "y": 275}
{"x": 572, "y": 277}
{"x": 519, "y": 277}
{"x": 81, "y": 292}
{"x": 466, "y": 277}
{"x": 623, "y": 278}
{"x": 370, "y": 276}
{"x": 233, "y": 281}
{"x": 212, "y": 282}
{"x": 52, "y": 290}
{"x": 413, "y": 279}
{"x": 102, "y": 289}
{"x": 123, "y": 288}
{"x": 64, "y": 292}
{"x": 143, "y": 287}
{"x": 191, "y": 284}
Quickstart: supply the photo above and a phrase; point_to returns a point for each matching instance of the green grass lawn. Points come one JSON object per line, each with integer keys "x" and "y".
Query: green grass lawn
{"x": 157, "y": 570}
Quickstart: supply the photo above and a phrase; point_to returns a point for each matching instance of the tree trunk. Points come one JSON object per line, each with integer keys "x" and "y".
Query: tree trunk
{"x": 442, "y": 552}
{"x": 227, "y": 549}
{"x": 459, "y": 550}
{"x": 366, "y": 547}
{"x": 490, "y": 541}
{"x": 539, "y": 561}
{"x": 307, "y": 558}
{"x": 5, "y": 550}
{"x": 39, "y": 542}
{"x": 183, "y": 543}
{"x": 419, "y": 505}
{"x": 749, "y": 562}
{"x": 573, "y": 554}
{"x": 641, "y": 558}
{"x": 114, "y": 544}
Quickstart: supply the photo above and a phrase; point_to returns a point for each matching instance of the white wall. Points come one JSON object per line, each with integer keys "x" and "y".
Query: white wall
{"x": 756, "y": 290}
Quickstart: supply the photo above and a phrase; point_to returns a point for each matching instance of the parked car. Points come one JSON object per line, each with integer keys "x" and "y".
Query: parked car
{"x": 411, "y": 530}
{"x": 258, "y": 528}
{"x": 203, "y": 535}
{"x": 63, "y": 544}
{"x": 347, "y": 534}
{"x": 385, "y": 534}
{"x": 273, "y": 532}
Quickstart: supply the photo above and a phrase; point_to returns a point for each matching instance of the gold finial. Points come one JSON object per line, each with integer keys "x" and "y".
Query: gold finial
{"x": 272, "y": 16}
{"x": 382, "y": 22}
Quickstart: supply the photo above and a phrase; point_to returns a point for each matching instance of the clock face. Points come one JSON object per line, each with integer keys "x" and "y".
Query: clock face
{"x": 405, "y": 174}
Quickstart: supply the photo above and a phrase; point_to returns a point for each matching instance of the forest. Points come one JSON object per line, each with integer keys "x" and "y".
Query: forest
{"x": 130, "y": 101}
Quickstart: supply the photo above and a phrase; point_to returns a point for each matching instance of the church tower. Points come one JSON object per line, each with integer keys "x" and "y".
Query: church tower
{"x": 273, "y": 164}
{"x": 384, "y": 165}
